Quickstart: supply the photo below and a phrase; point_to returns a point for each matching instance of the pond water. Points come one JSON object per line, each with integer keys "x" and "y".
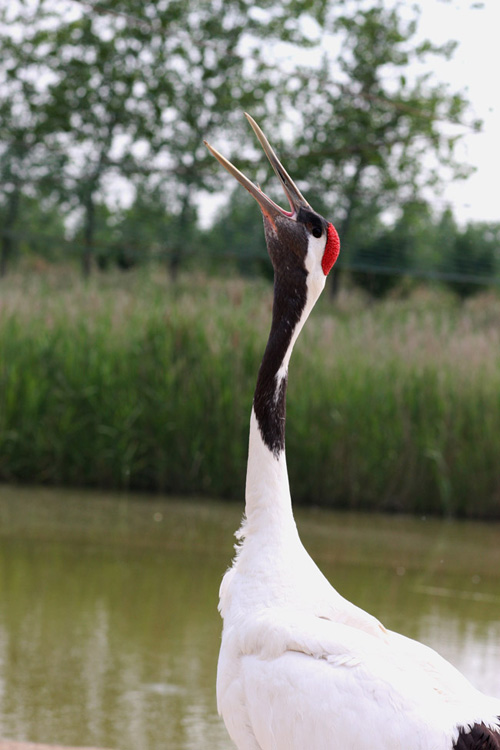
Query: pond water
{"x": 109, "y": 630}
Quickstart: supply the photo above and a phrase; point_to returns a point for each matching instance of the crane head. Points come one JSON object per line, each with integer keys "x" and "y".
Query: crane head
{"x": 298, "y": 238}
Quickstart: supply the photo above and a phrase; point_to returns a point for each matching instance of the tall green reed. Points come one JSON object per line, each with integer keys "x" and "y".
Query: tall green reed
{"x": 130, "y": 382}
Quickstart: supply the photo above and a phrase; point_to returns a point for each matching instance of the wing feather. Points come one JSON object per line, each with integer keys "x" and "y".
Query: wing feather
{"x": 305, "y": 681}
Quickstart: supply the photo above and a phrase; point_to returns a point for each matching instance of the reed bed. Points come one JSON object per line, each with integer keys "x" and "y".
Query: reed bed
{"x": 132, "y": 382}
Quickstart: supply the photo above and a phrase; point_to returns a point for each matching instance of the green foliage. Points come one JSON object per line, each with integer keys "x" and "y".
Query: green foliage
{"x": 147, "y": 385}
{"x": 43, "y": 232}
{"x": 98, "y": 97}
{"x": 144, "y": 229}
{"x": 473, "y": 258}
{"x": 130, "y": 97}
{"x": 381, "y": 263}
{"x": 434, "y": 247}
{"x": 367, "y": 135}
{"x": 27, "y": 164}
{"x": 237, "y": 237}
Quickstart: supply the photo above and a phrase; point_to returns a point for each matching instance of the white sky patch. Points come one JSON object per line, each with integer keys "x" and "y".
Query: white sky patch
{"x": 474, "y": 69}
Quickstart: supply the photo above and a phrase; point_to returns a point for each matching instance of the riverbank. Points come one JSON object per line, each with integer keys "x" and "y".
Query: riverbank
{"x": 130, "y": 382}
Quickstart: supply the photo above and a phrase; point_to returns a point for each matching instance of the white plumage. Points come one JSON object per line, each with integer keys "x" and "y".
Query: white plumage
{"x": 300, "y": 667}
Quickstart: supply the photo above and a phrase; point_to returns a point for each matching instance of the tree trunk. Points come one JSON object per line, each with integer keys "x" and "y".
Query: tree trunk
{"x": 6, "y": 250}
{"x": 345, "y": 225}
{"x": 7, "y": 230}
{"x": 182, "y": 234}
{"x": 90, "y": 189}
{"x": 88, "y": 235}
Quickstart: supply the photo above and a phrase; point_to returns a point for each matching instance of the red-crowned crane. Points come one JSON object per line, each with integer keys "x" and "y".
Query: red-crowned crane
{"x": 300, "y": 667}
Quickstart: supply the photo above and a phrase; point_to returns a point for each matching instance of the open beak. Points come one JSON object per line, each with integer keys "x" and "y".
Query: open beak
{"x": 268, "y": 206}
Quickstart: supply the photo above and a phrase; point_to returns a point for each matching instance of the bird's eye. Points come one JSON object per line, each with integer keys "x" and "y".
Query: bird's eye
{"x": 316, "y": 232}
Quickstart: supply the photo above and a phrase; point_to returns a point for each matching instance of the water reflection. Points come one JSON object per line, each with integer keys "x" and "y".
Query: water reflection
{"x": 108, "y": 625}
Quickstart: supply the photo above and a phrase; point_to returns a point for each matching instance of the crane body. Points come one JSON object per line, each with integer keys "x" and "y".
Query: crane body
{"x": 301, "y": 667}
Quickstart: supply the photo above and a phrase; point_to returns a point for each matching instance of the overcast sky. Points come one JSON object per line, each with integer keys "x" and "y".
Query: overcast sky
{"x": 475, "y": 69}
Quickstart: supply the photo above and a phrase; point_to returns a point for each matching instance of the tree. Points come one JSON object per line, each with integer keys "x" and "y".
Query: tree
{"x": 146, "y": 229}
{"x": 371, "y": 137}
{"x": 94, "y": 105}
{"x": 473, "y": 259}
{"x": 214, "y": 64}
{"x": 236, "y": 237}
{"x": 378, "y": 264}
{"x": 126, "y": 99}
{"x": 26, "y": 161}
{"x": 440, "y": 248}
{"x": 43, "y": 231}
{"x": 130, "y": 97}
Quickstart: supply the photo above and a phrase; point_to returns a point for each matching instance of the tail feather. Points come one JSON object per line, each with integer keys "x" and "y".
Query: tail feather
{"x": 479, "y": 737}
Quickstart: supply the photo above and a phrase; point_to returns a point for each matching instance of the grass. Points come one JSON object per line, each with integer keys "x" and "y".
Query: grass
{"x": 130, "y": 382}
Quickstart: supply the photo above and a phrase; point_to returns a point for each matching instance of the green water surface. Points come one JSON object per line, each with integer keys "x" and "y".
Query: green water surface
{"x": 109, "y": 630}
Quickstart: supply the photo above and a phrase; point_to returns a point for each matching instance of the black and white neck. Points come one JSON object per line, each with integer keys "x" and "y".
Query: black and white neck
{"x": 302, "y": 247}
{"x": 299, "y": 280}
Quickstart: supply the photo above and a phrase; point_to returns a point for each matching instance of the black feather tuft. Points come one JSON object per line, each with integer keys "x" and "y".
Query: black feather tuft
{"x": 479, "y": 737}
